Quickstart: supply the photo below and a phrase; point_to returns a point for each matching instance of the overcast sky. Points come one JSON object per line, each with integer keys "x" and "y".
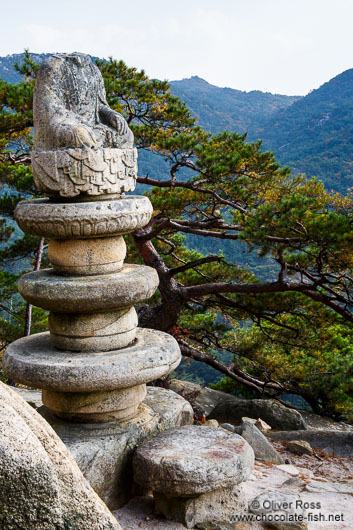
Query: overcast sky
{"x": 278, "y": 46}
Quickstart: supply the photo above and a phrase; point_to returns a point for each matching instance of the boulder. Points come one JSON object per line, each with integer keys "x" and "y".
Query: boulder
{"x": 262, "y": 447}
{"x": 276, "y": 415}
{"x": 338, "y": 442}
{"x": 41, "y": 486}
{"x": 191, "y": 460}
{"x": 200, "y": 397}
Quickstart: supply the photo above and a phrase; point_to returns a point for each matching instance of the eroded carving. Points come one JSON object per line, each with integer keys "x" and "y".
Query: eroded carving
{"x": 80, "y": 220}
{"x": 82, "y": 146}
{"x": 72, "y": 172}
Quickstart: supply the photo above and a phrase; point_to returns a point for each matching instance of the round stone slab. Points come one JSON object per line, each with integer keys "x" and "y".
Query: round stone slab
{"x": 71, "y": 220}
{"x": 34, "y": 362}
{"x": 191, "y": 460}
{"x": 85, "y": 294}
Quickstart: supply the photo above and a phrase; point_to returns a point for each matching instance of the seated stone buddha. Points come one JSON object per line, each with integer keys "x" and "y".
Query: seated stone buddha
{"x": 70, "y": 107}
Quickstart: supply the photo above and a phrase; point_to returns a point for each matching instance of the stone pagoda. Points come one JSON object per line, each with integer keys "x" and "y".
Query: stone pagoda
{"x": 94, "y": 363}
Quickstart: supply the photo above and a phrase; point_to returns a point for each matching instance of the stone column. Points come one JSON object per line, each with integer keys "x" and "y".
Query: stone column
{"x": 94, "y": 363}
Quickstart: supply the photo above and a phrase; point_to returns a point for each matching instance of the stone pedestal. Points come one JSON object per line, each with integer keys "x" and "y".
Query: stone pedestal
{"x": 195, "y": 473}
{"x": 94, "y": 363}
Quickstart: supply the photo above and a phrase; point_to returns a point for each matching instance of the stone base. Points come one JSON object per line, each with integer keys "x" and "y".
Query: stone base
{"x": 218, "y": 505}
{"x": 104, "y": 451}
{"x": 95, "y": 407}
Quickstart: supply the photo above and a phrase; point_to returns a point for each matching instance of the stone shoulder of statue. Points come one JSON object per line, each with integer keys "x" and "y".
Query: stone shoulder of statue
{"x": 70, "y": 107}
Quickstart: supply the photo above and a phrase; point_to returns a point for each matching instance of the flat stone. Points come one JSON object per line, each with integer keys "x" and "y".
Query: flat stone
{"x": 262, "y": 447}
{"x": 224, "y": 526}
{"x": 46, "y": 218}
{"x": 218, "y": 505}
{"x": 340, "y": 443}
{"x": 104, "y": 452}
{"x": 41, "y": 486}
{"x": 294, "y": 482}
{"x": 288, "y": 468}
{"x": 192, "y": 460}
{"x": 86, "y": 294}
{"x": 316, "y": 486}
{"x": 93, "y": 172}
{"x": 32, "y": 361}
{"x": 300, "y": 447}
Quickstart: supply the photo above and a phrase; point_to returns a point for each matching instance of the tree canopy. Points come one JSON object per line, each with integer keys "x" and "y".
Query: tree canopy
{"x": 285, "y": 330}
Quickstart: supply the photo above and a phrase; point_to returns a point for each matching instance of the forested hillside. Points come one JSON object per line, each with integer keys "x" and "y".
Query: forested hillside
{"x": 217, "y": 109}
{"x": 315, "y": 134}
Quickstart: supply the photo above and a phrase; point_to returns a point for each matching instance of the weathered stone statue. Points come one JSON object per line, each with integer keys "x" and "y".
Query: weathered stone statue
{"x": 94, "y": 363}
{"x": 83, "y": 147}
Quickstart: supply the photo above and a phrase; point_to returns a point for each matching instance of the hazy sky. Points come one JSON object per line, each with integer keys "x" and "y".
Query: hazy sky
{"x": 279, "y": 46}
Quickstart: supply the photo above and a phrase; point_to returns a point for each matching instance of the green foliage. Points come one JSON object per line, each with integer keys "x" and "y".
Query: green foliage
{"x": 311, "y": 351}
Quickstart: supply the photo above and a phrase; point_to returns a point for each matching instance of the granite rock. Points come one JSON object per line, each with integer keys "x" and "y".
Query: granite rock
{"x": 276, "y": 415}
{"x": 86, "y": 294}
{"x": 153, "y": 354}
{"x": 263, "y": 449}
{"x": 281, "y": 511}
{"x": 218, "y": 505}
{"x": 41, "y": 486}
{"x": 191, "y": 460}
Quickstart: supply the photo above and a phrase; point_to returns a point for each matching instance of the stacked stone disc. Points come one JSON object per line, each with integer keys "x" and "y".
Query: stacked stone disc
{"x": 94, "y": 363}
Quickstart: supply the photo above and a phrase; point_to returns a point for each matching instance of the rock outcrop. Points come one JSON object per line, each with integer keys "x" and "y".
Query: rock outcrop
{"x": 41, "y": 486}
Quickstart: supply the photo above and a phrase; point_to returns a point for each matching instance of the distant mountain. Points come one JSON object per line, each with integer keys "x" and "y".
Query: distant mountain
{"x": 217, "y": 109}
{"x": 7, "y": 71}
{"x": 311, "y": 134}
{"x": 315, "y": 134}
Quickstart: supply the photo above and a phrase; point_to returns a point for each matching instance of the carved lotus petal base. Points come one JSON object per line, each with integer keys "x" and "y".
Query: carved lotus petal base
{"x": 84, "y": 173}
{"x": 73, "y": 220}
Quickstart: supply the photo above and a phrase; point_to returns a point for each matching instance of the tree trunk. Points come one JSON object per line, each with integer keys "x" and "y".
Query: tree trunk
{"x": 28, "y": 318}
